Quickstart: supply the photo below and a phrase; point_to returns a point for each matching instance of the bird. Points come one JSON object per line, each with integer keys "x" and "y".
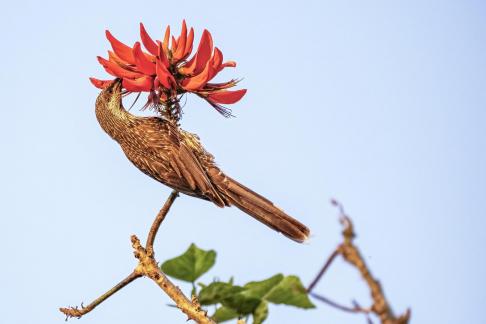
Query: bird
{"x": 161, "y": 149}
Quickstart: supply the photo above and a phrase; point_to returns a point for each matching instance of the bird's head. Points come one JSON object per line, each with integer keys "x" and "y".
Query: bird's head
{"x": 111, "y": 94}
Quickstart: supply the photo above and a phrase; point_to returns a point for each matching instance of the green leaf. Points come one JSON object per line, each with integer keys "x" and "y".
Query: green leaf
{"x": 290, "y": 291}
{"x": 259, "y": 289}
{"x": 242, "y": 302}
{"x": 253, "y": 298}
{"x": 251, "y": 295}
{"x": 260, "y": 313}
{"x": 223, "y": 314}
{"x": 190, "y": 265}
{"x": 216, "y": 292}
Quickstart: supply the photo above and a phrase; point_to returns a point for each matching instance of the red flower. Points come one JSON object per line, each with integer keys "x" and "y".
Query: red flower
{"x": 166, "y": 73}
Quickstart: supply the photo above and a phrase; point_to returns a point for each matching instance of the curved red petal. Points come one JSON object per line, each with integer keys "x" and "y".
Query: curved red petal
{"x": 141, "y": 61}
{"x": 165, "y": 44}
{"x": 163, "y": 75}
{"x": 174, "y": 44}
{"x": 118, "y": 71}
{"x": 181, "y": 43}
{"x": 204, "y": 51}
{"x": 100, "y": 84}
{"x": 217, "y": 58}
{"x": 147, "y": 41}
{"x": 228, "y": 64}
{"x": 189, "y": 43}
{"x": 122, "y": 50}
{"x": 143, "y": 84}
{"x": 112, "y": 57}
{"x": 202, "y": 56}
{"x": 198, "y": 81}
{"x": 189, "y": 66}
{"x": 215, "y": 62}
{"x": 226, "y": 96}
{"x": 163, "y": 58}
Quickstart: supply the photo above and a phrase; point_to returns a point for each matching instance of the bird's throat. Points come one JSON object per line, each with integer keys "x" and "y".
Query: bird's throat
{"x": 111, "y": 115}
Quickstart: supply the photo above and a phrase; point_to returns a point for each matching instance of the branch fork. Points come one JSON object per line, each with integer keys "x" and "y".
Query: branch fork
{"x": 147, "y": 267}
{"x": 350, "y": 253}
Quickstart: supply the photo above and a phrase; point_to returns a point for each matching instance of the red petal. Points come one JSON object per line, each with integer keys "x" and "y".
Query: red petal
{"x": 147, "y": 41}
{"x": 143, "y": 63}
{"x": 228, "y": 64}
{"x": 138, "y": 85}
{"x": 189, "y": 66}
{"x": 100, "y": 84}
{"x": 164, "y": 75}
{"x": 181, "y": 43}
{"x": 217, "y": 58}
{"x": 118, "y": 71}
{"x": 227, "y": 97}
{"x": 174, "y": 44}
{"x": 166, "y": 40}
{"x": 202, "y": 56}
{"x": 122, "y": 50}
{"x": 216, "y": 61}
{"x": 163, "y": 58}
{"x": 189, "y": 42}
{"x": 112, "y": 57}
{"x": 198, "y": 81}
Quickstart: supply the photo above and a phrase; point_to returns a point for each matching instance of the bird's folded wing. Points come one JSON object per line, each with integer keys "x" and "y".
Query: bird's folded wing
{"x": 165, "y": 142}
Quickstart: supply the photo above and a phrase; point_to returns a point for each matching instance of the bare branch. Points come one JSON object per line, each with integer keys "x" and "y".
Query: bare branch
{"x": 328, "y": 301}
{"x": 78, "y": 312}
{"x": 323, "y": 270}
{"x": 148, "y": 267}
{"x": 158, "y": 221}
{"x": 351, "y": 254}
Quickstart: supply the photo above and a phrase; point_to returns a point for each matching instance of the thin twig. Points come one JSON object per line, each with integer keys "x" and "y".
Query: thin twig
{"x": 368, "y": 317}
{"x": 339, "y": 306}
{"x": 78, "y": 312}
{"x": 351, "y": 254}
{"x": 158, "y": 221}
{"x": 323, "y": 270}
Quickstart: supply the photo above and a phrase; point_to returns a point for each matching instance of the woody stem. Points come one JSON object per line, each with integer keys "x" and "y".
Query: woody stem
{"x": 158, "y": 221}
{"x": 78, "y": 312}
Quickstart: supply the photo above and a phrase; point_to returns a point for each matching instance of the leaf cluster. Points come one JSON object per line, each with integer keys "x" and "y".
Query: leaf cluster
{"x": 234, "y": 301}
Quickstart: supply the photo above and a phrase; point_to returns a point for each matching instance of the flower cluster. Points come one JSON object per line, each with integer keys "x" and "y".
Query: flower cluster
{"x": 165, "y": 72}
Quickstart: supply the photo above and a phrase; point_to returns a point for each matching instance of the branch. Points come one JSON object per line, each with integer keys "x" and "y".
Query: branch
{"x": 147, "y": 267}
{"x": 78, "y": 312}
{"x": 323, "y": 270}
{"x": 158, "y": 221}
{"x": 351, "y": 254}
{"x": 339, "y": 306}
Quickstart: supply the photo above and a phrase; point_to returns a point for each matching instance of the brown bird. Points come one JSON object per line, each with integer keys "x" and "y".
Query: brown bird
{"x": 176, "y": 158}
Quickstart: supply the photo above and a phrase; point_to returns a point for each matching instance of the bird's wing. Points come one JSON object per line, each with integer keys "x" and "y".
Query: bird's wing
{"x": 176, "y": 157}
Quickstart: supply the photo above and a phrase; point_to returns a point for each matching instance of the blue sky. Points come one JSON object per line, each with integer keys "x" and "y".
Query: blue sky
{"x": 380, "y": 105}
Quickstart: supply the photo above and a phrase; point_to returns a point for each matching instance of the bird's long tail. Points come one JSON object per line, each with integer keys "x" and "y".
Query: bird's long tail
{"x": 264, "y": 211}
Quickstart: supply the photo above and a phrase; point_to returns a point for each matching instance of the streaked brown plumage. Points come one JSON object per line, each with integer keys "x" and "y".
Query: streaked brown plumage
{"x": 176, "y": 158}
